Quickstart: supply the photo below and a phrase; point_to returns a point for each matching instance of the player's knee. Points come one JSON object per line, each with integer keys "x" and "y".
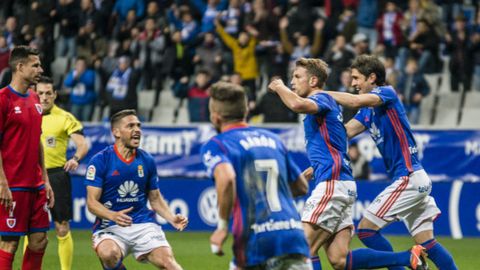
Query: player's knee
{"x": 38, "y": 243}
{"x": 9, "y": 246}
{"x": 168, "y": 262}
{"x": 62, "y": 229}
{"x": 109, "y": 257}
{"x": 337, "y": 262}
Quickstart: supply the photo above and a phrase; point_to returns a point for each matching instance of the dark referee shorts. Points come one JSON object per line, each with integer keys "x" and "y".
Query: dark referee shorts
{"x": 62, "y": 188}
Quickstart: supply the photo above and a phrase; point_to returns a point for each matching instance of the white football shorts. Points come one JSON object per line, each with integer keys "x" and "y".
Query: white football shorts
{"x": 407, "y": 199}
{"x": 138, "y": 239}
{"x": 330, "y": 205}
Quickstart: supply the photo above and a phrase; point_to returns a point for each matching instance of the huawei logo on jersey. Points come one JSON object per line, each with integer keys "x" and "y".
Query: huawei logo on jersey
{"x": 128, "y": 188}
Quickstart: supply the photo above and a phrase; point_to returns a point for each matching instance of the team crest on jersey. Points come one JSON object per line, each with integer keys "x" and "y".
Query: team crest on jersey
{"x": 91, "y": 173}
{"x": 11, "y": 222}
{"x": 140, "y": 171}
{"x": 50, "y": 141}
{"x": 39, "y": 108}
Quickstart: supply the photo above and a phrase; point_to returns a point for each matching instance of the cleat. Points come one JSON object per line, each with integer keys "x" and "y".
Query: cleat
{"x": 418, "y": 259}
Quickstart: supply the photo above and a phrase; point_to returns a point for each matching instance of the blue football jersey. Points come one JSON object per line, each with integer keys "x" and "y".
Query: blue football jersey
{"x": 265, "y": 221}
{"x": 389, "y": 128}
{"x": 326, "y": 140}
{"x": 124, "y": 183}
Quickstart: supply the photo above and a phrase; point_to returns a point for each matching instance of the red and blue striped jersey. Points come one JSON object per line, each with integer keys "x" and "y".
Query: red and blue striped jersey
{"x": 389, "y": 128}
{"x": 326, "y": 140}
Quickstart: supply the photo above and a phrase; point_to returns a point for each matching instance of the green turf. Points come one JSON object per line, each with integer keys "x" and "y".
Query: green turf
{"x": 192, "y": 251}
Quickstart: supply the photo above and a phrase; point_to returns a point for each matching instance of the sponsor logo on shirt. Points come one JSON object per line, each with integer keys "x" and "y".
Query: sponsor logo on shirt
{"x": 17, "y": 110}
{"x": 128, "y": 192}
{"x": 51, "y": 141}
{"x": 91, "y": 172}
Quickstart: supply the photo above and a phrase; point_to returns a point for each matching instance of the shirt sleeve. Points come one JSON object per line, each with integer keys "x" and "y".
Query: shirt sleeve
{"x": 95, "y": 172}
{"x": 152, "y": 183}
{"x": 213, "y": 153}
{"x": 72, "y": 125}
{"x": 323, "y": 103}
{"x": 363, "y": 116}
{"x": 386, "y": 94}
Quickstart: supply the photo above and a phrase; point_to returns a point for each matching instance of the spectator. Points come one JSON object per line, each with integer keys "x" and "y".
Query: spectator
{"x": 367, "y": 14}
{"x": 68, "y": 16}
{"x": 346, "y": 86}
{"x": 90, "y": 44}
{"x": 347, "y": 25}
{"x": 424, "y": 45}
{"x": 412, "y": 88}
{"x": 208, "y": 56}
{"x": 182, "y": 20}
{"x": 244, "y": 58}
{"x": 459, "y": 46}
{"x": 209, "y": 12}
{"x": 11, "y": 33}
{"x": 122, "y": 86}
{"x": 476, "y": 52}
{"x": 198, "y": 96}
{"x": 389, "y": 29}
{"x": 81, "y": 81}
{"x": 360, "y": 44}
{"x": 123, "y": 7}
{"x": 339, "y": 58}
{"x": 359, "y": 164}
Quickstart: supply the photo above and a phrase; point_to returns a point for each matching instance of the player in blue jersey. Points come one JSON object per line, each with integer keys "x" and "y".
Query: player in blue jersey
{"x": 255, "y": 178}
{"x": 120, "y": 180}
{"x": 327, "y": 216}
{"x": 407, "y": 198}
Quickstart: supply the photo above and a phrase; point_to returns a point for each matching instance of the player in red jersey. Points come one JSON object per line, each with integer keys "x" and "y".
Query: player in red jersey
{"x": 25, "y": 192}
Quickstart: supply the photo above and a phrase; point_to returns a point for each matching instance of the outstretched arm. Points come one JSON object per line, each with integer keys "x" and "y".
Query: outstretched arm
{"x": 354, "y": 127}
{"x": 159, "y": 205}
{"x": 293, "y": 101}
{"x": 356, "y": 101}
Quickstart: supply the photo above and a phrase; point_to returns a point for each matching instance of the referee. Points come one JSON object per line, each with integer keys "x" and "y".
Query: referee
{"x": 57, "y": 127}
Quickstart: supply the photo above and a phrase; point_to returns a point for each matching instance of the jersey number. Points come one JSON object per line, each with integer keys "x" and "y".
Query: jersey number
{"x": 271, "y": 167}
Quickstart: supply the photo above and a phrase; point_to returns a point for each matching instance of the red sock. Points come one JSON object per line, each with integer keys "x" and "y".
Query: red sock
{"x": 32, "y": 260}
{"x": 6, "y": 260}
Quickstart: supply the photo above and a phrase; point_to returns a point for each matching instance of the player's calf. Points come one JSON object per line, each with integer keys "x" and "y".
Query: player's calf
{"x": 163, "y": 259}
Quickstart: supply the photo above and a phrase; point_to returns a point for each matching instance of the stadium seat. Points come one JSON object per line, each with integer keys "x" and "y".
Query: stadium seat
{"x": 433, "y": 81}
{"x": 59, "y": 69}
{"x": 426, "y": 109}
{"x": 97, "y": 113}
{"x": 446, "y": 117}
{"x": 470, "y": 118}
{"x": 449, "y": 100}
{"x": 472, "y": 100}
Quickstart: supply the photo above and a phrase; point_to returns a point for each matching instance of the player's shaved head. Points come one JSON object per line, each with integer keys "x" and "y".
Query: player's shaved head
{"x": 315, "y": 67}
{"x": 117, "y": 117}
{"x": 21, "y": 54}
{"x": 229, "y": 101}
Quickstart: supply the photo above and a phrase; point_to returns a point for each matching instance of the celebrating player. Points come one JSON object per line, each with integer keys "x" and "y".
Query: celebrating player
{"x": 25, "y": 192}
{"x": 255, "y": 179}
{"x": 57, "y": 127}
{"x": 327, "y": 216}
{"x": 120, "y": 180}
{"x": 407, "y": 198}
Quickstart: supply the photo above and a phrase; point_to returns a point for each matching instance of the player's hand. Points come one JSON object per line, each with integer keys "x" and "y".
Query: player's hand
{"x": 70, "y": 165}
{"x": 179, "y": 222}
{"x": 308, "y": 173}
{"x": 121, "y": 217}
{"x": 216, "y": 241}
{"x": 275, "y": 85}
{"x": 50, "y": 195}
{"x": 5, "y": 195}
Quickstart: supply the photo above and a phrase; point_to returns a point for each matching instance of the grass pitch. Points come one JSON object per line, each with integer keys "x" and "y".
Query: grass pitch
{"x": 192, "y": 251}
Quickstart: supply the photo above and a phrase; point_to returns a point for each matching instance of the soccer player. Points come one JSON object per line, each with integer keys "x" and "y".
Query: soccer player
{"x": 58, "y": 126}
{"x": 327, "y": 216}
{"x": 407, "y": 198}
{"x": 120, "y": 180}
{"x": 255, "y": 178}
{"x": 25, "y": 192}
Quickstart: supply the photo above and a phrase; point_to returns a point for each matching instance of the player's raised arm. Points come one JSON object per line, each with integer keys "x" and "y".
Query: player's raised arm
{"x": 293, "y": 101}
{"x": 355, "y": 101}
{"x": 160, "y": 206}
{"x": 99, "y": 210}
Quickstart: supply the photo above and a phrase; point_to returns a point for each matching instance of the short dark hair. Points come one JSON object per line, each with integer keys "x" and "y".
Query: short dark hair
{"x": 120, "y": 115}
{"x": 315, "y": 67}
{"x": 368, "y": 64}
{"x": 231, "y": 101}
{"x": 45, "y": 80}
{"x": 20, "y": 54}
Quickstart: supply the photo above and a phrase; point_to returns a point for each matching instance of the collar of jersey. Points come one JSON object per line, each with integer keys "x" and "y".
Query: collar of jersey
{"x": 234, "y": 126}
{"x": 18, "y": 93}
{"x": 123, "y": 159}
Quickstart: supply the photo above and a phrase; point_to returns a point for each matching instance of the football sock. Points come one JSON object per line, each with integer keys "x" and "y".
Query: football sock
{"x": 374, "y": 239}
{"x": 25, "y": 243}
{"x": 118, "y": 266}
{"x": 32, "y": 260}
{"x": 65, "y": 251}
{"x": 6, "y": 260}
{"x": 366, "y": 258}
{"x": 316, "y": 263}
{"x": 439, "y": 255}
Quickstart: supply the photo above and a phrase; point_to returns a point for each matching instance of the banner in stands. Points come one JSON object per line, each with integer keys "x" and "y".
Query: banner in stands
{"x": 459, "y": 202}
{"x": 446, "y": 155}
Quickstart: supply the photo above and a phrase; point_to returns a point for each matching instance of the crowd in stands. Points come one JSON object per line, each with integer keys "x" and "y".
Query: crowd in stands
{"x": 103, "y": 53}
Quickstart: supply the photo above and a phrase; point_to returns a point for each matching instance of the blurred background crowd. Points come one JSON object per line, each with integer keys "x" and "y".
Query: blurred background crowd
{"x": 160, "y": 56}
